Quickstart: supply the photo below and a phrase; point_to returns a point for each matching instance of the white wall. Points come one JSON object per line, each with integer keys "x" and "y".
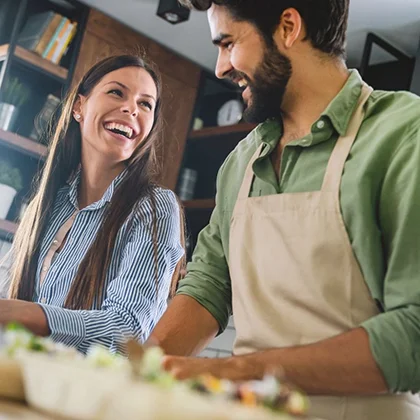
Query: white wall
{"x": 222, "y": 345}
{"x": 4, "y": 267}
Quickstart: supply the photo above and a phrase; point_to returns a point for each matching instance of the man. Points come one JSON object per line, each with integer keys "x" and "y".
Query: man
{"x": 314, "y": 240}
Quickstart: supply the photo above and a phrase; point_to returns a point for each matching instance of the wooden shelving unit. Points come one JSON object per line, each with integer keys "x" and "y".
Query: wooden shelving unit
{"x": 7, "y": 228}
{"x": 22, "y": 144}
{"x": 220, "y": 131}
{"x": 35, "y": 60}
{"x": 199, "y": 204}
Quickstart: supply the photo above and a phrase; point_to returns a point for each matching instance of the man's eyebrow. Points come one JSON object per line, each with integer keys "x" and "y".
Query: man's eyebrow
{"x": 220, "y": 38}
{"x": 125, "y": 87}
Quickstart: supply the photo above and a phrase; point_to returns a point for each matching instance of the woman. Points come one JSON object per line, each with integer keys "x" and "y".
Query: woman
{"x": 99, "y": 244}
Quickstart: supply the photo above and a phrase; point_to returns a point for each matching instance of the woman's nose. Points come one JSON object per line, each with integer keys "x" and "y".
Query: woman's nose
{"x": 130, "y": 108}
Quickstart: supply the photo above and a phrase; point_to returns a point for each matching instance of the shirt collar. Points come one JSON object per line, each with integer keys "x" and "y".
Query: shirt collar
{"x": 74, "y": 182}
{"x": 338, "y": 113}
{"x": 341, "y": 108}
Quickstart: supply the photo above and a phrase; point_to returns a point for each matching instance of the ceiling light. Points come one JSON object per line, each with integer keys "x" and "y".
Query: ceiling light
{"x": 172, "y": 11}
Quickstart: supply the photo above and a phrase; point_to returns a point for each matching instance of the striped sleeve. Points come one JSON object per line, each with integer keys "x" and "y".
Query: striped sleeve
{"x": 134, "y": 301}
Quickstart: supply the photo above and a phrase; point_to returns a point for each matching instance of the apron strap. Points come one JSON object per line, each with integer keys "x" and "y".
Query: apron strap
{"x": 249, "y": 175}
{"x": 335, "y": 167}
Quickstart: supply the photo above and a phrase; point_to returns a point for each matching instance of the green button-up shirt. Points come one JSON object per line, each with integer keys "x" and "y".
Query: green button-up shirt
{"x": 380, "y": 203}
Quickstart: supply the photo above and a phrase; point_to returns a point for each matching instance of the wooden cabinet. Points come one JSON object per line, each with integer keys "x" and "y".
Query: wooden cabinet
{"x": 104, "y": 36}
{"x": 206, "y": 149}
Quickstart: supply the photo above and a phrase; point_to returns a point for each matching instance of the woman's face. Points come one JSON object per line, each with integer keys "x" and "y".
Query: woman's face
{"x": 117, "y": 115}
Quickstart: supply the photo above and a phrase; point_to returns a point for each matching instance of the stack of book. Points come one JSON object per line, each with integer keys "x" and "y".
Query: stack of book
{"x": 49, "y": 34}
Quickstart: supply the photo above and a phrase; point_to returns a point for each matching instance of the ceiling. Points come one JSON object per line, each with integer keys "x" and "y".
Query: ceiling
{"x": 398, "y": 21}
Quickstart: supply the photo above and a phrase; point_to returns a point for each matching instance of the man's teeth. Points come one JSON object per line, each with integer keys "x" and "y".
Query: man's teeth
{"x": 242, "y": 83}
{"x": 128, "y": 131}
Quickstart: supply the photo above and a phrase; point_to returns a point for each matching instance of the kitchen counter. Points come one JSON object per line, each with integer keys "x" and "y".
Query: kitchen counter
{"x": 13, "y": 410}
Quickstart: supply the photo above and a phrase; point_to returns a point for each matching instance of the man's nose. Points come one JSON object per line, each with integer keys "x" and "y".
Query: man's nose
{"x": 223, "y": 65}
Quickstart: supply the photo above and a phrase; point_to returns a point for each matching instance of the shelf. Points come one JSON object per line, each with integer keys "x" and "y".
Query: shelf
{"x": 36, "y": 60}
{"x": 22, "y": 144}
{"x": 220, "y": 131}
{"x": 206, "y": 204}
{"x": 7, "y": 228}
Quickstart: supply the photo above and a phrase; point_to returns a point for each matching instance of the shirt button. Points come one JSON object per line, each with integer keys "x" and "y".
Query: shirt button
{"x": 320, "y": 124}
{"x": 45, "y": 269}
{"x": 43, "y": 300}
{"x": 55, "y": 242}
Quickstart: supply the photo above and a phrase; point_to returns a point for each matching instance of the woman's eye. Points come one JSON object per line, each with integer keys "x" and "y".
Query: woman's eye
{"x": 117, "y": 92}
{"x": 146, "y": 104}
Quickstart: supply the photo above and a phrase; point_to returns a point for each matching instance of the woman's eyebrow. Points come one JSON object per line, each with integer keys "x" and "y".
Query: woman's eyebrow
{"x": 127, "y": 88}
{"x": 118, "y": 83}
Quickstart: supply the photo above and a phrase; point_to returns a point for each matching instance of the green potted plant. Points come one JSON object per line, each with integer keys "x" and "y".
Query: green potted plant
{"x": 14, "y": 94}
{"x": 10, "y": 184}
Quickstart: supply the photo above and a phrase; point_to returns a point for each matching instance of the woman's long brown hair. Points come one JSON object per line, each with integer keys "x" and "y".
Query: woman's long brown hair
{"x": 63, "y": 159}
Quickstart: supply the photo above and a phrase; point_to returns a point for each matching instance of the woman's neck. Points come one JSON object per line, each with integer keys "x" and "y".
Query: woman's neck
{"x": 95, "y": 180}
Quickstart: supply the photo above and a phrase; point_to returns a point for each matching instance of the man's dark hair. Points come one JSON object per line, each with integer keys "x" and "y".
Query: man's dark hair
{"x": 325, "y": 20}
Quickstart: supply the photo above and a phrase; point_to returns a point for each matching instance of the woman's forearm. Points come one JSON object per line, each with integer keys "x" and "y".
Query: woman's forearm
{"x": 29, "y": 314}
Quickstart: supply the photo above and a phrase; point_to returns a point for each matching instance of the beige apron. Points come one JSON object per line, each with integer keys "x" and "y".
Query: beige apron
{"x": 295, "y": 279}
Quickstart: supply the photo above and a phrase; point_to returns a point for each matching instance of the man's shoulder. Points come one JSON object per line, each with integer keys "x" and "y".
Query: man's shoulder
{"x": 396, "y": 108}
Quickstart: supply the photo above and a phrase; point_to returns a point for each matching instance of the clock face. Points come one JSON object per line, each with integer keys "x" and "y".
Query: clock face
{"x": 230, "y": 112}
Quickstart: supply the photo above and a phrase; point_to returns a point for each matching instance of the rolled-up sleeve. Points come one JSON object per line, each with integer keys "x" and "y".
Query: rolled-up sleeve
{"x": 134, "y": 300}
{"x": 395, "y": 334}
{"x": 207, "y": 280}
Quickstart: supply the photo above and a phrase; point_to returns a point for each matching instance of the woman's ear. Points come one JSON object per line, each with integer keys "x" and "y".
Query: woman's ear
{"x": 77, "y": 108}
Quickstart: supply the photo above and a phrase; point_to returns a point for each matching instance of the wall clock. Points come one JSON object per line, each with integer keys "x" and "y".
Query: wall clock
{"x": 230, "y": 112}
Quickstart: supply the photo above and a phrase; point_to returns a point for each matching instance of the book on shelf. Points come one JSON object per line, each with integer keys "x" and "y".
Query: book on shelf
{"x": 49, "y": 34}
{"x": 33, "y": 29}
{"x": 62, "y": 42}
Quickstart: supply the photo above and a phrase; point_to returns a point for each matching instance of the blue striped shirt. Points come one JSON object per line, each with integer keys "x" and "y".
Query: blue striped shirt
{"x": 131, "y": 305}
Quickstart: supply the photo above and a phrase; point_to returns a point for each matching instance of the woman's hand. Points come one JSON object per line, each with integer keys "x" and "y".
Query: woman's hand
{"x": 28, "y": 314}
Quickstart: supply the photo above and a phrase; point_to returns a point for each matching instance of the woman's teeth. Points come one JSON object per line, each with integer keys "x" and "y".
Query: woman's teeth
{"x": 120, "y": 129}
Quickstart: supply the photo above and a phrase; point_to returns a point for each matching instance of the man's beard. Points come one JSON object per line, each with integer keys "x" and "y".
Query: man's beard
{"x": 268, "y": 87}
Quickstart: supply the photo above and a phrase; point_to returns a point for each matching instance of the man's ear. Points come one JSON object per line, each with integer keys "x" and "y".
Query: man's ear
{"x": 78, "y": 108}
{"x": 290, "y": 28}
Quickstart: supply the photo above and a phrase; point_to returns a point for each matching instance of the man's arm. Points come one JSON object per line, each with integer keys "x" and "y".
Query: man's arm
{"x": 342, "y": 365}
{"x": 185, "y": 329}
{"x": 202, "y": 305}
{"x": 395, "y": 334}
{"x": 384, "y": 354}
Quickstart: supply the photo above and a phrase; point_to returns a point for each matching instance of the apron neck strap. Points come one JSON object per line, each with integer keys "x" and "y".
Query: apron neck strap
{"x": 249, "y": 175}
{"x": 335, "y": 167}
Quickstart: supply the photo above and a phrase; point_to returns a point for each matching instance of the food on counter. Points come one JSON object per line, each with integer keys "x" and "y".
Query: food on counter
{"x": 271, "y": 393}
{"x": 15, "y": 339}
